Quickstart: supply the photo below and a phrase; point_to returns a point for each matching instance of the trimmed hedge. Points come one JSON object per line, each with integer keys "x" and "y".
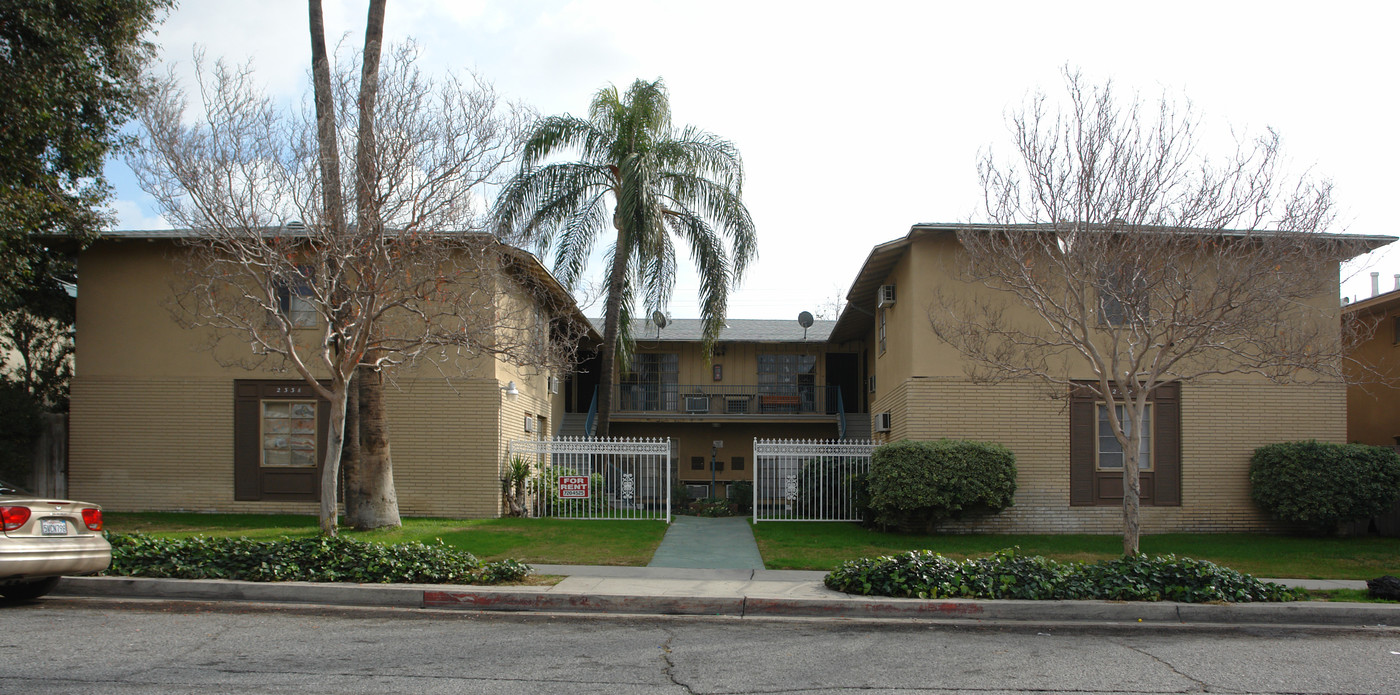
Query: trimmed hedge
{"x": 318, "y": 559}
{"x": 914, "y": 485}
{"x": 1320, "y": 485}
{"x": 1007, "y": 575}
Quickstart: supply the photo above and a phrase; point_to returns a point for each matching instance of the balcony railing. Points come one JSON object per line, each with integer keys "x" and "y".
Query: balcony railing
{"x": 702, "y": 399}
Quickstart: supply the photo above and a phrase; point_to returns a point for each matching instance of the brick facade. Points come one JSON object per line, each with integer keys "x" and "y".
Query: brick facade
{"x": 1222, "y": 422}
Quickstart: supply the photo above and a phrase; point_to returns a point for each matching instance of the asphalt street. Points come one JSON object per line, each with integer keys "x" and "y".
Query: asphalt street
{"x": 66, "y": 645}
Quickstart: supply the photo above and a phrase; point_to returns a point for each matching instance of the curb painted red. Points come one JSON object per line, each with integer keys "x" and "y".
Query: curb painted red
{"x": 655, "y": 605}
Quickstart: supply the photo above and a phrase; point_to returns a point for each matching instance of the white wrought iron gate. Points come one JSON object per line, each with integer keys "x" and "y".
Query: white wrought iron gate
{"x": 808, "y": 480}
{"x": 597, "y": 477}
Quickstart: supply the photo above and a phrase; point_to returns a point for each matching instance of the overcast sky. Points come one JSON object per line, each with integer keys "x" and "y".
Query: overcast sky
{"x": 857, "y": 120}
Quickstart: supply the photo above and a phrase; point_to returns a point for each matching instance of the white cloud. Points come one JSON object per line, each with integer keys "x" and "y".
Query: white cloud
{"x": 131, "y": 215}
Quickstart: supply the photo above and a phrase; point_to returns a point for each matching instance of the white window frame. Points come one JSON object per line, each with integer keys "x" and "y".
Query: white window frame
{"x": 1145, "y": 463}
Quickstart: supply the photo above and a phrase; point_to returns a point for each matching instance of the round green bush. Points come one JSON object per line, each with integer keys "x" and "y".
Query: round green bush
{"x": 914, "y": 485}
{"x": 1319, "y": 485}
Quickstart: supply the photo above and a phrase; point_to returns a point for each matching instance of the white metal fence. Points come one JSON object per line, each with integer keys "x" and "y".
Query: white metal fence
{"x": 597, "y": 478}
{"x": 807, "y": 480}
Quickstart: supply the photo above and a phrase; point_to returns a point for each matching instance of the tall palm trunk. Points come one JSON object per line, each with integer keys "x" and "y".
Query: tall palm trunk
{"x": 610, "y": 320}
{"x": 370, "y": 498}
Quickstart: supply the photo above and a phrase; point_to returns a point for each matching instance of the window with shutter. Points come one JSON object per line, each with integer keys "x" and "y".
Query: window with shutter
{"x": 279, "y": 438}
{"x": 1095, "y": 474}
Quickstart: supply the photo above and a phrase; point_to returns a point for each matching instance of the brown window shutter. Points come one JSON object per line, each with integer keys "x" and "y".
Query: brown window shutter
{"x": 737, "y": 463}
{"x": 1166, "y": 450}
{"x": 1081, "y": 452}
{"x": 246, "y": 485}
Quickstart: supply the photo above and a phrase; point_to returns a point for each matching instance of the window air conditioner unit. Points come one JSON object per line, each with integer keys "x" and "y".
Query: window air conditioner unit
{"x": 697, "y": 404}
{"x": 886, "y": 297}
{"x": 529, "y": 424}
{"x": 554, "y": 384}
{"x": 882, "y": 422}
{"x": 698, "y": 492}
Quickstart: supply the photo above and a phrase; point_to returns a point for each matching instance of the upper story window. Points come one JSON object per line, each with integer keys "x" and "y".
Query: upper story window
{"x": 786, "y": 372}
{"x": 539, "y": 335}
{"x": 1121, "y": 295}
{"x": 881, "y": 331}
{"x": 652, "y": 383}
{"x": 294, "y": 298}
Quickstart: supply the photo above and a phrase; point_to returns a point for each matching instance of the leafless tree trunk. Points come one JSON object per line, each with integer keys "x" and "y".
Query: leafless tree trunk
{"x": 1142, "y": 264}
{"x": 351, "y": 470}
{"x": 328, "y": 161}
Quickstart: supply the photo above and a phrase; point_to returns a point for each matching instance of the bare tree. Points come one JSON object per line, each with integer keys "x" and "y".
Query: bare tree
{"x": 1115, "y": 251}
{"x": 830, "y": 308}
{"x": 317, "y": 296}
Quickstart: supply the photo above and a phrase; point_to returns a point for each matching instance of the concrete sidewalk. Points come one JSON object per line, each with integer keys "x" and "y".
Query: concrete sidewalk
{"x": 732, "y": 592}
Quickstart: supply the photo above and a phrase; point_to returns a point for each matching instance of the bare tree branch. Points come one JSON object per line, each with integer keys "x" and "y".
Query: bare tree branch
{"x": 1114, "y": 250}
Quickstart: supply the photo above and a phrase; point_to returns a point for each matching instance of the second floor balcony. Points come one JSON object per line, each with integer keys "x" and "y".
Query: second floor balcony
{"x": 708, "y": 401}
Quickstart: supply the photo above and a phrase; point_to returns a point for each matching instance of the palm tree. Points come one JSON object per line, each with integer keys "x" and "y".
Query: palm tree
{"x": 653, "y": 183}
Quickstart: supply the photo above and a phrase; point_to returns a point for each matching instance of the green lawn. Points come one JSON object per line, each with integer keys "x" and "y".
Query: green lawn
{"x": 821, "y": 546}
{"x": 798, "y": 545}
{"x": 551, "y": 541}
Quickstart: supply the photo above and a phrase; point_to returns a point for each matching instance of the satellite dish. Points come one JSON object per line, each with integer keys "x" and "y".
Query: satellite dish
{"x": 804, "y": 319}
{"x": 659, "y": 319}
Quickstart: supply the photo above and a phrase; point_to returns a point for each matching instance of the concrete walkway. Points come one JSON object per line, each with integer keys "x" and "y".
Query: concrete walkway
{"x": 703, "y": 543}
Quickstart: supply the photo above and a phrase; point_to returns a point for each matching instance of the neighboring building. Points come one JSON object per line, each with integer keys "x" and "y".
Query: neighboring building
{"x": 1373, "y": 406}
{"x": 157, "y": 424}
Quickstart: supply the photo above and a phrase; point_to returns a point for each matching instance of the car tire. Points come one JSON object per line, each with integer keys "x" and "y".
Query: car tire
{"x": 30, "y": 590}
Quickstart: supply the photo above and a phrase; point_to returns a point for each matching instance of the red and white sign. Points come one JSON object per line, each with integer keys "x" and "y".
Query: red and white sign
{"x": 573, "y": 487}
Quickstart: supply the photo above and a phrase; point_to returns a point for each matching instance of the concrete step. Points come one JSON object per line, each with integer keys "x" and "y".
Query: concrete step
{"x": 858, "y": 426}
{"x": 572, "y": 425}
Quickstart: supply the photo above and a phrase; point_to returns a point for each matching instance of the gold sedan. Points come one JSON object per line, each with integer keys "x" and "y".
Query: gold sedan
{"x": 43, "y": 539}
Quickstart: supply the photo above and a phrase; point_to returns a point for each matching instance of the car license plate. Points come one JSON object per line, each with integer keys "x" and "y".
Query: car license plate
{"x": 53, "y": 527}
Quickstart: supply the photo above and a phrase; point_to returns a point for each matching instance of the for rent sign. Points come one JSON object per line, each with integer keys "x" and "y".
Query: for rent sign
{"x": 573, "y": 487}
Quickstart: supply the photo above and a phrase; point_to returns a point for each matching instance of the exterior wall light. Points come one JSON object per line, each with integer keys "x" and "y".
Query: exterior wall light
{"x": 512, "y": 392}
